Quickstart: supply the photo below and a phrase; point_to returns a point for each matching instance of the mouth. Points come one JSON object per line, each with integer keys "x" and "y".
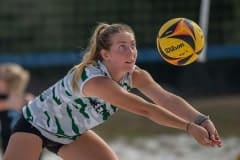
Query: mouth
{"x": 130, "y": 62}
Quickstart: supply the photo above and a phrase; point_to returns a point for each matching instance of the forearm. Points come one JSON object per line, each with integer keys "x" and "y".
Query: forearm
{"x": 154, "y": 112}
{"x": 164, "y": 117}
{"x": 180, "y": 107}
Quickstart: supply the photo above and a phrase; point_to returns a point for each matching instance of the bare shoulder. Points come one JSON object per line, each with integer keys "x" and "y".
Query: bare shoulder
{"x": 141, "y": 77}
{"x": 139, "y": 71}
{"x": 95, "y": 85}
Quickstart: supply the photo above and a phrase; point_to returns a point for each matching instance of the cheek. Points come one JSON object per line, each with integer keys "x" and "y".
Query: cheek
{"x": 135, "y": 53}
{"x": 3, "y": 86}
{"x": 118, "y": 56}
{"x": 117, "y": 59}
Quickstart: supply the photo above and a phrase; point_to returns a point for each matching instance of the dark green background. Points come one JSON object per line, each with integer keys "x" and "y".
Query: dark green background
{"x": 66, "y": 25}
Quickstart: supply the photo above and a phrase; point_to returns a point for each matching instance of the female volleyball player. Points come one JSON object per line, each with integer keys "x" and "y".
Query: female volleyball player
{"x": 61, "y": 117}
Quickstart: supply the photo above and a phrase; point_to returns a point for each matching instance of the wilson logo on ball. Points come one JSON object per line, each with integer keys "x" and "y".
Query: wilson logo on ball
{"x": 173, "y": 48}
{"x": 180, "y": 41}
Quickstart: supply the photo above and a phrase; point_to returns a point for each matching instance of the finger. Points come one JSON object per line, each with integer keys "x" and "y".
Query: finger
{"x": 214, "y": 136}
{"x": 211, "y": 131}
{"x": 218, "y": 143}
{"x": 208, "y": 142}
{"x": 218, "y": 139}
{"x": 217, "y": 135}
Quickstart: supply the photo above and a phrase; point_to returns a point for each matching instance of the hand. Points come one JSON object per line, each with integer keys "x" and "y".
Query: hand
{"x": 200, "y": 134}
{"x": 212, "y": 132}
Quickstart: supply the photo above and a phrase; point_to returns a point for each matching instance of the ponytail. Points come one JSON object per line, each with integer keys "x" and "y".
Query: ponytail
{"x": 91, "y": 55}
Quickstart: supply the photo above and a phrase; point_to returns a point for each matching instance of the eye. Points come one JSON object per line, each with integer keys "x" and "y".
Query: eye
{"x": 122, "y": 47}
{"x": 133, "y": 46}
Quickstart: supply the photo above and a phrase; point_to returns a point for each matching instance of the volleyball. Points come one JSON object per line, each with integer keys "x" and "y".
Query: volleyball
{"x": 180, "y": 41}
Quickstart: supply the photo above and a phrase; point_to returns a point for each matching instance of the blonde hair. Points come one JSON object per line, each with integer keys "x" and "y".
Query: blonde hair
{"x": 16, "y": 77}
{"x": 101, "y": 39}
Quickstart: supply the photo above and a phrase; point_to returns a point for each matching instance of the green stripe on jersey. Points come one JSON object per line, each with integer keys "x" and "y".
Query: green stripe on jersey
{"x": 74, "y": 126}
{"x": 84, "y": 75}
{"x": 56, "y": 99}
{"x": 48, "y": 118}
{"x": 59, "y": 128}
{"x": 67, "y": 92}
{"x": 41, "y": 98}
{"x": 29, "y": 115}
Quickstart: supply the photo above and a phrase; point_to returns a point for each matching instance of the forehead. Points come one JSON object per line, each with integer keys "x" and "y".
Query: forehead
{"x": 123, "y": 37}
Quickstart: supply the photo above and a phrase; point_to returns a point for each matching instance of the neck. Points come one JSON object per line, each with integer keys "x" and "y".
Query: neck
{"x": 114, "y": 72}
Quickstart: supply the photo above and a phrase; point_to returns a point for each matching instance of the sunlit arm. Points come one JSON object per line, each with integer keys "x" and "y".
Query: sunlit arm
{"x": 175, "y": 104}
{"x": 111, "y": 92}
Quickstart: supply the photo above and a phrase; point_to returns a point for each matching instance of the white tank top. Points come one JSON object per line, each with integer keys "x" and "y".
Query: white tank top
{"x": 62, "y": 115}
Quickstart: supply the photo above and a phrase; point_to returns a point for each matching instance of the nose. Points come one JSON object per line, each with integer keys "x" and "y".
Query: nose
{"x": 132, "y": 52}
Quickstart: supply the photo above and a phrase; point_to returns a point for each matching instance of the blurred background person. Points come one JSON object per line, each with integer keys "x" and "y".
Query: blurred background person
{"x": 13, "y": 83}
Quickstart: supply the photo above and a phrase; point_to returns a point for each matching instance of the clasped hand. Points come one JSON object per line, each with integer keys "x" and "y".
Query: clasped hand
{"x": 205, "y": 134}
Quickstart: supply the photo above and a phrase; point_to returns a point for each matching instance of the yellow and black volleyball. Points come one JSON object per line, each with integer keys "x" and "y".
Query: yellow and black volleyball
{"x": 180, "y": 41}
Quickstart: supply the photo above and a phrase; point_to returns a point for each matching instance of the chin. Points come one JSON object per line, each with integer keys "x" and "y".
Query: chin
{"x": 130, "y": 68}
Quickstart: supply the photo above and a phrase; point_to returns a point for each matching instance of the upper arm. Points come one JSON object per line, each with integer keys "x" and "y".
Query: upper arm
{"x": 111, "y": 92}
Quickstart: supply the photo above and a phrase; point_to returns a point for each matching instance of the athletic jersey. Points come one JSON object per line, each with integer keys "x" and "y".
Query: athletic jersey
{"x": 62, "y": 115}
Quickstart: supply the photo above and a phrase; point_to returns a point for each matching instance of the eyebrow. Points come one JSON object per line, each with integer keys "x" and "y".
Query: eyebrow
{"x": 126, "y": 42}
{"x": 122, "y": 42}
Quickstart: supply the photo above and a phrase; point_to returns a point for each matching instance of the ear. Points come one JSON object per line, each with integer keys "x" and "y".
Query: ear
{"x": 104, "y": 54}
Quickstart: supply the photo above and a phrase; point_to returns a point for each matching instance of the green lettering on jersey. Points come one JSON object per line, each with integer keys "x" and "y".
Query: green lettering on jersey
{"x": 105, "y": 113}
{"x": 82, "y": 107}
{"x": 74, "y": 126}
{"x": 48, "y": 118}
{"x": 57, "y": 100}
{"x": 114, "y": 108}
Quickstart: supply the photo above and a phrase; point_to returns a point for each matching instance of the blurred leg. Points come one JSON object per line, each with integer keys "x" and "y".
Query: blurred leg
{"x": 89, "y": 146}
{"x": 23, "y": 146}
